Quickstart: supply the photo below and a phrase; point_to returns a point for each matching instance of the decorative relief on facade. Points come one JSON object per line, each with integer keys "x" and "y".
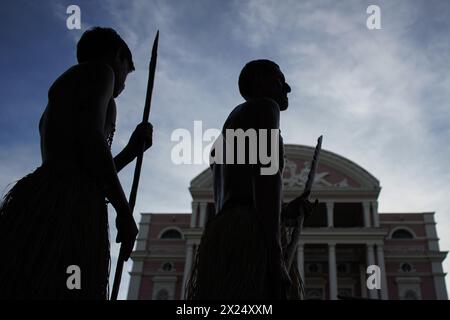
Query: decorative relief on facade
{"x": 295, "y": 177}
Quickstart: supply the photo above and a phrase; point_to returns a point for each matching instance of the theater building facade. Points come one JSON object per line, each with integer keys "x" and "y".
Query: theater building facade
{"x": 345, "y": 236}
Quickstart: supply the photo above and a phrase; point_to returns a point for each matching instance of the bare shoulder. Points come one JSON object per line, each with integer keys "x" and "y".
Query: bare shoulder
{"x": 84, "y": 78}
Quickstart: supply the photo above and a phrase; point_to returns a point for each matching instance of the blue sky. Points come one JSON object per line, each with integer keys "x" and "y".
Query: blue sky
{"x": 379, "y": 97}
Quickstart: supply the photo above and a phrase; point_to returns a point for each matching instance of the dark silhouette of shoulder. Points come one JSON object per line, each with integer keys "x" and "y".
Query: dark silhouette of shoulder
{"x": 260, "y": 113}
{"x": 97, "y": 76}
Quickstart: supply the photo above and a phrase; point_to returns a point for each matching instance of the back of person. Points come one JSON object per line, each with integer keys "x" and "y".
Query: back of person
{"x": 61, "y": 123}
{"x": 233, "y": 181}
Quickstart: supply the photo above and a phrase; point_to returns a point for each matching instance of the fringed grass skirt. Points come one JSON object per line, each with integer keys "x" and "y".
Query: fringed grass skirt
{"x": 232, "y": 262}
{"x": 51, "y": 219}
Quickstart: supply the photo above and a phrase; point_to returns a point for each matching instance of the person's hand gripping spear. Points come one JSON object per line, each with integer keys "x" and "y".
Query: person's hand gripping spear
{"x": 127, "y": 246}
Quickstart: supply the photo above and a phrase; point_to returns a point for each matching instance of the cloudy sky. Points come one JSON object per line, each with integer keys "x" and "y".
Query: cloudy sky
{"x": 379, "y": 97}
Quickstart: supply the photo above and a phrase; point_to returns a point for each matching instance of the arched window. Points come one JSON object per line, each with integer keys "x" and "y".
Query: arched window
{"x": 162, "y": 294}
{"x": 313, "y": 294}
{"x": 171, "y": 234}
{"x": 410, "y": 295}
{"x": 402, "y": 234}
{"x": 345, "y": 292}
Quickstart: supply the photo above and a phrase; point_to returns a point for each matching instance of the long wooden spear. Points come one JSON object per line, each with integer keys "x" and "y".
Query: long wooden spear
{"x": 137, "y": 170}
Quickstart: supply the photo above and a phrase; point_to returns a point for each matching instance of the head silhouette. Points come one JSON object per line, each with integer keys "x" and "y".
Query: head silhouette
{"x": 264, "y": 79}
{"x": 105, "y": 45}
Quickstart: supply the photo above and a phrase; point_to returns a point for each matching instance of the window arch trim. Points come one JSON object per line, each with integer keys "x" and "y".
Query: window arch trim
{"x": 171, "y": 228}
{"x": 414, "y": 237}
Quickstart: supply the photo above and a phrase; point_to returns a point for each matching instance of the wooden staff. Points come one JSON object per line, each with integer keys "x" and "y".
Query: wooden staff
{"x": 137, "y": 170}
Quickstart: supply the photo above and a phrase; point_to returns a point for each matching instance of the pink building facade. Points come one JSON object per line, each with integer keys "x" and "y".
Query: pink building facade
{"x": 337, "y": 245}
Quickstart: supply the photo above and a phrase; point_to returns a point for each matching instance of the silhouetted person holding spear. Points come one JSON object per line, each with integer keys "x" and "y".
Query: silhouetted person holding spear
{"x": 56, "y": 216}
{"x": 241, "y": 251}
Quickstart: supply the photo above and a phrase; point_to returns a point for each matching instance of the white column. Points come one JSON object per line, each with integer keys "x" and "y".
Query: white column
{"x": 439, "y": 280}
{"x": 301, "y": 261}
{"x": 430, "y": 231}
{"x": 373, "y": 294}
{"x": 332, "y": 271}
{"x": 144, "y": 227}
{"x": 138, "y": 265}
{"x": 380, "y": 258}
{"x": 203, "y": 206}
{"x": 135, "y": 280}
{"x": 376, "y": 217}
{"x": 194, "y": 214}
{"x": 436, "y": 267}
{"x": 330, "y": 216}
{"x": 187, "y": 267}
{"x": 366, "y": 212}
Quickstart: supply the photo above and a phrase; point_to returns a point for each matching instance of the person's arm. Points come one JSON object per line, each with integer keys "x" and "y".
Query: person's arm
{"x": 267, "y": 190}
{"x": 95, "y": 95}
{"x": 142, "y": 135}
{"x": 122, "y": 159}
{"x": 299, "y": 208}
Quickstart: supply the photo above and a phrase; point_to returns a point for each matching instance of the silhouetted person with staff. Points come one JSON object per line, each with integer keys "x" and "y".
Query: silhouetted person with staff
{"x": 241, "y": 251}
{"x": 56, "y": 216}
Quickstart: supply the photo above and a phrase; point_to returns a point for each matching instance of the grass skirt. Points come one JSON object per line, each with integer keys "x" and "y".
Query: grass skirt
{"x": 51, "y": 219}
{"x": 232, "y": 262}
